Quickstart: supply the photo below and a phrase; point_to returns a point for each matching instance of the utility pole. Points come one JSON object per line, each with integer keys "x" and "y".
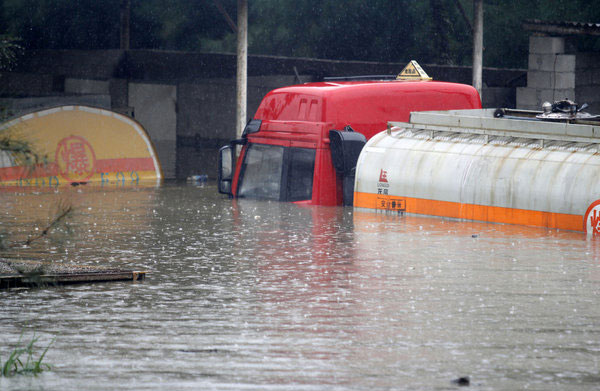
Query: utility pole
{"x": 125, "y": 32}
{"x": 242, "y": 65}
{"x": 477, "y": 45}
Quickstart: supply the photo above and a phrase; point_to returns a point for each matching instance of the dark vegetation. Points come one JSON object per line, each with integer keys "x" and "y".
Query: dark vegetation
{"x": 430, "y": 31}
{"x": 21, "y": 360}
{"x": 23, "y": 155}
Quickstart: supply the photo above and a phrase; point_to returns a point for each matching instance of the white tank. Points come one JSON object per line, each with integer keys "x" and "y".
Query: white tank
{"x": 469, "y": 165}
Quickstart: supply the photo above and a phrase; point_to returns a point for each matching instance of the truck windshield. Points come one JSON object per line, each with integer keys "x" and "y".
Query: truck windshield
{"x": 277, "y": 173}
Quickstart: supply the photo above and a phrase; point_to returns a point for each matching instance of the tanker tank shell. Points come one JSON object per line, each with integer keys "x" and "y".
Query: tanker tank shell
{"x": 470, "y": 173}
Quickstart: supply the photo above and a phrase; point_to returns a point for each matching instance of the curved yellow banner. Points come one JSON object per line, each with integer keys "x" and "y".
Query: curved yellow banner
{"x": 77, "y": 145}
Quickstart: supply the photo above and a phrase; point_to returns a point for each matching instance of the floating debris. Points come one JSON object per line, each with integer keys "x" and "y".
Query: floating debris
{"x": 197, "y": 178}
{"x": 36, "y": 280}
{"x": 462, "y": 381}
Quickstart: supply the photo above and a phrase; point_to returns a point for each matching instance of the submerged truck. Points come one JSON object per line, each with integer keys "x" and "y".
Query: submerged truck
{"x": 502, "y": 166}
{"x": 304, "y": 140}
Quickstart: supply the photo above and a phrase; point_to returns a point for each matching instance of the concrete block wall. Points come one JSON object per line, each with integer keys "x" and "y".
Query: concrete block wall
{"x": 494, "y": 97}
{"x": 587, "y": 83}
{"x": 207, "y": 107}
{"x": 206, "y": 118}
{"x": 551, "y": 73}
{"x": 155, "y": 107}
{"x": 546, "y": 45}
{"x": 86, "y": 86}
{"x": 16, "y": 107}
{"x": 186, "y": 101}
{"x": 556, "y": 72}
{"x": 26, "y": 84}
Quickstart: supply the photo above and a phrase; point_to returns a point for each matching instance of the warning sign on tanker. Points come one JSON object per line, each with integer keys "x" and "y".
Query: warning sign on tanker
{"x": 391, "y": 203}
{"x": 591, "y": 220}
{"x": 413, "y": 71}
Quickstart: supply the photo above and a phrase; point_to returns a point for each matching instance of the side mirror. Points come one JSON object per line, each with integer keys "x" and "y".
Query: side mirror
{"x": 345, "y": 150}
{"x": 225, "y": 166}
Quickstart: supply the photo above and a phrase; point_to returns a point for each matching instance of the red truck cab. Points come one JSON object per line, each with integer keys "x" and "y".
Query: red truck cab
{"x": 300, "y": 145}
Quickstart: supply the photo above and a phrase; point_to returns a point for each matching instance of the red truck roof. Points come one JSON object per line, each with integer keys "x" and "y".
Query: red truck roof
{"x": 364, "y": 105}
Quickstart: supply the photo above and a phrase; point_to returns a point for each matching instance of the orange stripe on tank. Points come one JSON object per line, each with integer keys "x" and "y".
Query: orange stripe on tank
{"x": 493, "y": 214}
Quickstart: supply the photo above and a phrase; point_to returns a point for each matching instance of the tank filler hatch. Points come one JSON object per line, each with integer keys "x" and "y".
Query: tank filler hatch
{"x": 560, "y": 111}
{"x": 564, "y": 110}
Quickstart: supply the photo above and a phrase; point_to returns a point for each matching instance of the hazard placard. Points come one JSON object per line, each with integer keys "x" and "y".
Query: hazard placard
{"x": 391, "y": 203}
{"x": 413, "y": 71}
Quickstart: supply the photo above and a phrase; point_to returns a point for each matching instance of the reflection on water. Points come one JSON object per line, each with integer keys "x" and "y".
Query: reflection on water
{"x": 255, "y": 295}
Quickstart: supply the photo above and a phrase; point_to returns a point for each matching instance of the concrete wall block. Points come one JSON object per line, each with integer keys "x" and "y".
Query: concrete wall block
{"x": 587, "y": 95}
{"x": 155, "y": 108}
{"x": 532, "y": 98}
{"x": 556, "y": 80}
{"x": 564, "y": 80}
{"x": 86, "y": 86}
{"x": 208, "y": 109}
{"x": 583, "y": 77}
{"x": 167, "y": 156}
{"x": 537, "y": 79}
{"x": 119, "y": 92}
{"x": 12, "y": 83}
{"x": 20, "y": 106}
{"x": 527, "y": 96}
{"x": 549, "y": 95}
{"x": 595, "y": 77}
{"x": 276, "y": 81}
{"x": 528, "y": 107}
{"x": 498, "y": 97}
{"x": 536, "y": 62}
{"x": 588, "y": 60}
{"x": 546, "y": 45}
{"x": 587, "y": 77}
{"x": 552, "y": 62}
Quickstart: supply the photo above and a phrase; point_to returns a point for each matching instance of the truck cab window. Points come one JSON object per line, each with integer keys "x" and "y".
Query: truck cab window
{"x": 276, "y": 173}
{"x": 261, "y": 173}
{"x": 300, "y": 174}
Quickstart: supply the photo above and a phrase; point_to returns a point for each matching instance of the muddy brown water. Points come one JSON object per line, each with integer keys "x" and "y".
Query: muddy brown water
{"x": 265, "y": 295}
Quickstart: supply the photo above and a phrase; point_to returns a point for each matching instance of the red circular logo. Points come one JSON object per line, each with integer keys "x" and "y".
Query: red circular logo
{"x": 591, "y": 220}
{"x": 75, "y": 159}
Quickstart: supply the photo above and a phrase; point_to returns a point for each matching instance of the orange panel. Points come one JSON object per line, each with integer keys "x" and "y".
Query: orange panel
{"x": 494, "y": 214}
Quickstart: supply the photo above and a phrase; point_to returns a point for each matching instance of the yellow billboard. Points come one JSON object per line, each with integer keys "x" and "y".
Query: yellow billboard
{"x": 78, "y": 145}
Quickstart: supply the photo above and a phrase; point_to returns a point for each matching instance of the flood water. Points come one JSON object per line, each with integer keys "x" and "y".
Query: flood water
{"x": 265, "y": 295}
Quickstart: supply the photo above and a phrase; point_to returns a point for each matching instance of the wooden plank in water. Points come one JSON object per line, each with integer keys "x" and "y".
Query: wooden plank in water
{"x": 16, "y": 281}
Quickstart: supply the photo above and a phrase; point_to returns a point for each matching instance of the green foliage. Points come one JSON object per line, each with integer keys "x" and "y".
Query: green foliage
{"x": 57, "y": 225}
{"x": 507, "y": 44}
{"x": 4, "y": 242}
{"x": 181, "y": 25}
{"x": 22, "y": 362}
{"x": 9, "y": 50}
{"x": 431, "y": 31}
{"x": 63, "y": 212}
{"x": 64, "y": 24}
{"x": 93, "y": 24}
{"x": 20, "y": 150}
{"x": 350, "y": 30}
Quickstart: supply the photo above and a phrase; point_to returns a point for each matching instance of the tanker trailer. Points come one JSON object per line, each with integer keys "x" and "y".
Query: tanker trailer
{"x": 486, "y": 165}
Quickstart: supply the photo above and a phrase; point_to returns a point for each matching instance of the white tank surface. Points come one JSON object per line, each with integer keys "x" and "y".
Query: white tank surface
{"x": 467, "y": 164}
